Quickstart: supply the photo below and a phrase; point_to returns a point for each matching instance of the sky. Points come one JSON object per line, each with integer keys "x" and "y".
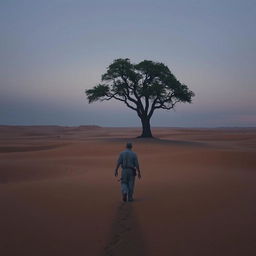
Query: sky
{"x": 51, "y": 51}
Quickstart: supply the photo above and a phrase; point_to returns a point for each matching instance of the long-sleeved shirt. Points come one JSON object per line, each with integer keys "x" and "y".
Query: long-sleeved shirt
{"x": 128, "y": 159}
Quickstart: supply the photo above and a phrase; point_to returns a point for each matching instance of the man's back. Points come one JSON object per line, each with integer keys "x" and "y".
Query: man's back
{"x": 128, "y": 159}
{"x": 130, "y": 165}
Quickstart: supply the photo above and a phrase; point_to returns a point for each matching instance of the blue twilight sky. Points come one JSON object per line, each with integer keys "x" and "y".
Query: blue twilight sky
{"x": 52, "y": 50}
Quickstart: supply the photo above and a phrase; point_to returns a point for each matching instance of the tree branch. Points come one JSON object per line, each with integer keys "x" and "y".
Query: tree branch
{"x": 126, "y": 102}
{"x": 161, "y": 103}
{"x": 172, "y": 104}
{"x": 152, "y": 107}
{"x": 133, "y": 88}
{"x": 114, "y": 96}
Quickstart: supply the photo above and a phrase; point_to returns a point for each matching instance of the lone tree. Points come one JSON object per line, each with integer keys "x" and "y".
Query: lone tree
{"x": 143, "y": 87}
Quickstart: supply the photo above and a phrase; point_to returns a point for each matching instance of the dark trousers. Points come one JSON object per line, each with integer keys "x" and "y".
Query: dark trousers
{"x": 127, "y": 182}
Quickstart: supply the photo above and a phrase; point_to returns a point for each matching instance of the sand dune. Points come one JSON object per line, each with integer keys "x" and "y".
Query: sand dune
{"x": 6, "y": 149}
{"x": 58, "y": 194}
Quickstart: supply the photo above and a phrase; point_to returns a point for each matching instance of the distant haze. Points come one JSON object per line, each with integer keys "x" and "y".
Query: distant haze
{"x": 52, "y": 50}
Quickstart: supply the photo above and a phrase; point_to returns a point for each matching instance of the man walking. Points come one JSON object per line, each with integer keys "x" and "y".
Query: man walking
{"x": 130, "y": 165}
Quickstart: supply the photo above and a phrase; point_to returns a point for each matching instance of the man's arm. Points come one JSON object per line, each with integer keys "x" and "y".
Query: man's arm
{"x": 119, "y": 161}
{"x": 117, "y": 167}
{"x": 137, "y": 166}
{"x": 138, "y": 170}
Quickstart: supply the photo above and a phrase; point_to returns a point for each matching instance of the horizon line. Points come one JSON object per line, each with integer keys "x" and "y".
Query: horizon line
{"x": 137, "y": 127}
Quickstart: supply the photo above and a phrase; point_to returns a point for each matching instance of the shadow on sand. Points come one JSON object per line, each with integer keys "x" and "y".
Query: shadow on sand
{"x": 160, "y": 141}
{"x": 125, "y": 238}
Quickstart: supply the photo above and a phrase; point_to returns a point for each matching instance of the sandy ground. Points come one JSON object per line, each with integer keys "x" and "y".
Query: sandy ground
{"x": 58, "y": 194}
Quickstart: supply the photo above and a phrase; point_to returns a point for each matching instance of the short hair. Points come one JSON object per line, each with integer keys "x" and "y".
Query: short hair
{"x": 129, "y": 145}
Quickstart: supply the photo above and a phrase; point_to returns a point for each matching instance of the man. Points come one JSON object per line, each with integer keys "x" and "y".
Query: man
{"x": 130, "y": 165}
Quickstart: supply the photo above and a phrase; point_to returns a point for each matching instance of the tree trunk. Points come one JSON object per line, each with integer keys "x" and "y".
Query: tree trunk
{"x": 146, "y": 130}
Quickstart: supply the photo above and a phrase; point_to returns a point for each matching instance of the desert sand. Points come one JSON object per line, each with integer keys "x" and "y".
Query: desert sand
{"x": 59, "y": 196}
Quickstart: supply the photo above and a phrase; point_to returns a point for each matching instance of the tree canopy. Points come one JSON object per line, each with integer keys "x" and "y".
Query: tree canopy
{"x": 143, "y": 87}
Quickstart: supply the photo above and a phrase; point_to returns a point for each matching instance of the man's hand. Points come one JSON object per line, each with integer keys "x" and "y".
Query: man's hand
{"x": 139, "y": 176}
{"x": 116, "y": 170}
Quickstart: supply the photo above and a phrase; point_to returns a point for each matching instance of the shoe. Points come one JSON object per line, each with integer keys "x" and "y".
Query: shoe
{"x": 124, "y": 197}
{"x": 130, "y": 199}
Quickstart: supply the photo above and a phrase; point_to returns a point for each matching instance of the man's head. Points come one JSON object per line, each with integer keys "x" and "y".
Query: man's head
{"x": 129, "y": 145}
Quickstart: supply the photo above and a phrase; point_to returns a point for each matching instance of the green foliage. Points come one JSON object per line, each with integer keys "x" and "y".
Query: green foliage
{"x": 143, "y": 87}
{"x": 97, "y": 93}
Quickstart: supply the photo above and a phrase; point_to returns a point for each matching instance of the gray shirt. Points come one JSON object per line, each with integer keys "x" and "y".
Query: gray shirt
{"x": 128, "y": 159}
